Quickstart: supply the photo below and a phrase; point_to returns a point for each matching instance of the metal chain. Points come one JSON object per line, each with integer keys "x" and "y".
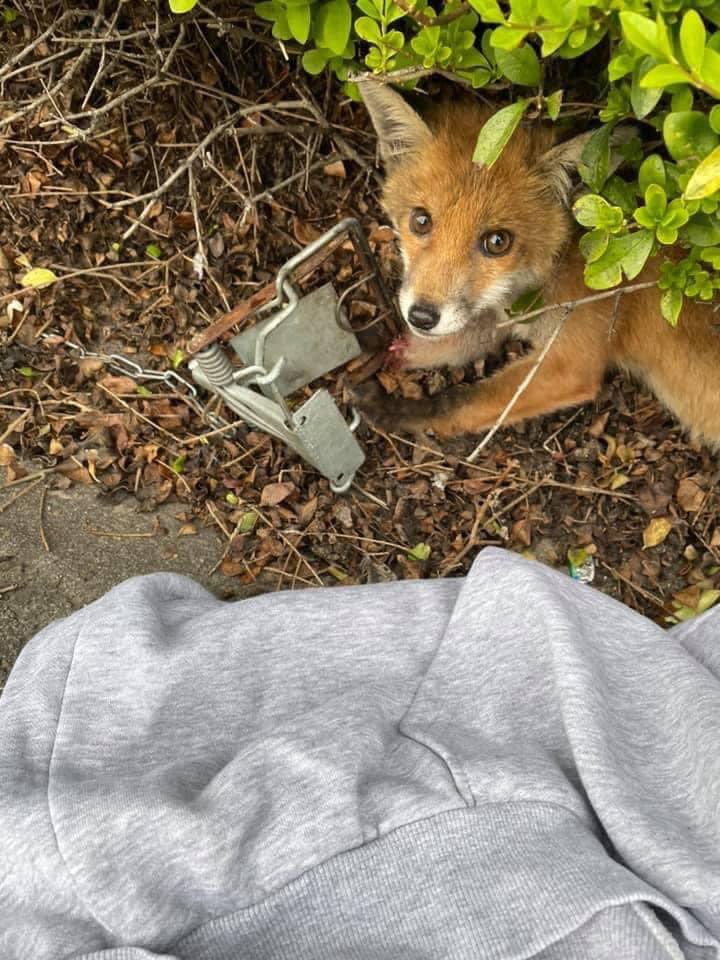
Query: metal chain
{"x": 129, "y": 368}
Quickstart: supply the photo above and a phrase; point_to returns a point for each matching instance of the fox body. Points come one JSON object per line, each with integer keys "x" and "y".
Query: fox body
{"x": 473, "y": 239}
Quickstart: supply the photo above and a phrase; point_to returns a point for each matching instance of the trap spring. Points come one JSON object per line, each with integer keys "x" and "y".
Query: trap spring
{"x": 301, "y": 338}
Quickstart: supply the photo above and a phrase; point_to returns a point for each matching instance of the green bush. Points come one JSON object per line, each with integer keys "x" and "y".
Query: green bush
{"x": 653, "y": 62}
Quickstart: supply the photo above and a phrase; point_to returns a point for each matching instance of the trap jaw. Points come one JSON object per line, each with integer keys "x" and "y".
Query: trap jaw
{"x": 301, "y": 338}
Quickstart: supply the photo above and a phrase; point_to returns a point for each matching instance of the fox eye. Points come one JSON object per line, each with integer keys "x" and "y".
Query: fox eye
{"x": 420, "y": 221}
{"x": 495, "y": 243}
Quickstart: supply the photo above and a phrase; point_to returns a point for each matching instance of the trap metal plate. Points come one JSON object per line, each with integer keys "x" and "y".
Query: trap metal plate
{"x": 328, "y": 441}
{"x": 310, "y": 340}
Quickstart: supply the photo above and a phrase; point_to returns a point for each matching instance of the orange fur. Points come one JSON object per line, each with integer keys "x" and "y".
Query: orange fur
{"x": 429, "y": 162}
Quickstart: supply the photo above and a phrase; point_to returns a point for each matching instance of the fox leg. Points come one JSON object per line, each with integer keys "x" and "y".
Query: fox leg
{"x": 565, "y": 378}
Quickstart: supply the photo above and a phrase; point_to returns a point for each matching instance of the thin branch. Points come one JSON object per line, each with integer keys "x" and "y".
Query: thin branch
{"x": 521, "y": 389}
{"x": 49, "y": 95}
{"x": 570, "y": 305}
{"x": 205, "y": 143}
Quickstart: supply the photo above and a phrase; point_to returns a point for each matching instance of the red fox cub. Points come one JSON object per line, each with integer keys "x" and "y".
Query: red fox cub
{"x": 474, "y": 239}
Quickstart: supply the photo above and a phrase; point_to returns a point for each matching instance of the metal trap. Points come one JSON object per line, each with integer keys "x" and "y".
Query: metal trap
{"x": 300, "y": 338}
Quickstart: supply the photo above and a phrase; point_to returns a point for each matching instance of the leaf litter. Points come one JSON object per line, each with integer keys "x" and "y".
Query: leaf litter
{"x": 101, "y": 239}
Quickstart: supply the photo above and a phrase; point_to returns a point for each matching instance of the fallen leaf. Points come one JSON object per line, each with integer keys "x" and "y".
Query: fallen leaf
{"x": 247, "y": 522}
{"x": 336, "y": 169}
{"x": 187, "y": 530}
{"x": 656, "y": 532}
{"x": 690, "y": 495}
{"x": 39, "y": 277}
{"x": 421, "y": 551}
{"x": 7, "y": 455}
{"x": 274, "y": 493}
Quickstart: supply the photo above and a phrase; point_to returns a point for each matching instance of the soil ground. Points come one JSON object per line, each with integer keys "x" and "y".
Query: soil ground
{"x": 163, "y": 170}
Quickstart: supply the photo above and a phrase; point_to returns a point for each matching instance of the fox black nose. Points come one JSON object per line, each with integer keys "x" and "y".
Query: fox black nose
{"x": 423, "y": 316}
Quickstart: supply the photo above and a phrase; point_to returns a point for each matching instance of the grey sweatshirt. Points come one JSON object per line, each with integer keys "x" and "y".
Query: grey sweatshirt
{"x": 506, "y": 766}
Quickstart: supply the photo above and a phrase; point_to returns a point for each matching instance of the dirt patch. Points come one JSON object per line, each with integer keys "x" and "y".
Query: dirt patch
{"x": 134, "y": 148}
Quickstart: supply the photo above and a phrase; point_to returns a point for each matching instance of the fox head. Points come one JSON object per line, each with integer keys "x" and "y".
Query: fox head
{"x": 472, "y": 238}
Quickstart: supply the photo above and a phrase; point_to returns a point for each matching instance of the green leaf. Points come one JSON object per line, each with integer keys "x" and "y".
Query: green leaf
{"x": 526, "y": 302}
{"x": 143, "y": 391}
{"x": 507, "y": 38}
{"x": 682, "y": 99}
{"x": 652, "y": 170}
{"x": 594, "y": 244}
{"x": 706, "y": 178}
{"x": 692, "y": 40}
{"x": 637, "y": 248}
{"x": 247, "y": 522}
{"x": 664, "y": 75}
{"x": 368, "y": 29}
{"x": 643, "y": 98}
{"x": 670, "y": 306}
{"x": 519, "y": 66}
{"x": 496, "y": 133}
{"x": 664, "y": 38}
{"x": 315, "y": 61}
{"x": 421, "y": 551}
{"x": 488, "y": 10}
{"x": 177, "y": 358}
{"x": 620, "y": 66}
{"x": 707, "y": 599}
{"x": 178, "y": 464}
{"x": 714, "y": 118}
{"x": 552, "y": 40}
{"x": 269, "y": 10}
{"x": 595, "y": 158}
{"x": 182, "y": 6}
{"x": 153, "y": 250}
{"x": 594, "y": 211}
{"x": 689, "y": 134}
{"x": 553, "y": 104}
{"x": 621, "y": 194}
{"x": 710, "y": 73}
{"x": 332, "y": 25}
{"x": 604, "y": 273}
{"x": 25, "y": 371}
{"x": 38, "y": 277}
{"x": 628, "y": 254}
{"x": 298, "y": 18}
{"x": 656, "y": 201}
{"x": 702, "y": 231}
{"x": 641, "y": 33}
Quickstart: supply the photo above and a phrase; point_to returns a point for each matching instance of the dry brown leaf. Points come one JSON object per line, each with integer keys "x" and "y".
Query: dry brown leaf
{"x": 7, "y": 455}
{"x": 119, "y": 384}
{"x": 336, "y": 169}
{"x": 690, "y": 495}
{"x": 275, "y": 493}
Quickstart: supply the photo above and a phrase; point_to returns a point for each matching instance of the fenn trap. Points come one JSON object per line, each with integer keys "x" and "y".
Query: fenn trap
{"x": 297, "y": 338}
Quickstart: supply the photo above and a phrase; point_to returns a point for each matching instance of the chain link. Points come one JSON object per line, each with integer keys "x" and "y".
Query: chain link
{"x": 129, "y": 368}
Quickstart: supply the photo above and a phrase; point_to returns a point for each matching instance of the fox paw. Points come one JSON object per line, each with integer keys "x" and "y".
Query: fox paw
{"x": 374, "y": 404}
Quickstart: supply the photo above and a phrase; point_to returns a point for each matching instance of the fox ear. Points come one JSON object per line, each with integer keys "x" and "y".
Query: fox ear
{"x": 399, "y": 127}
{"x": 560, "y": 163}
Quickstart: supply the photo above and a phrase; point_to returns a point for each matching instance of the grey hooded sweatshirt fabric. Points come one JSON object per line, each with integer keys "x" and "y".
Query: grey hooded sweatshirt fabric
{"x": 504, "y": 766}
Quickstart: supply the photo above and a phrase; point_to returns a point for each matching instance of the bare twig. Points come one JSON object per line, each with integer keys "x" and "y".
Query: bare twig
{"x": 205, "y": 143}
{"x": 571, "y": 305}
{"x": 520, "y": 390}
{"x": 42, "y": 527}
{"x": 50, "y": 94}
